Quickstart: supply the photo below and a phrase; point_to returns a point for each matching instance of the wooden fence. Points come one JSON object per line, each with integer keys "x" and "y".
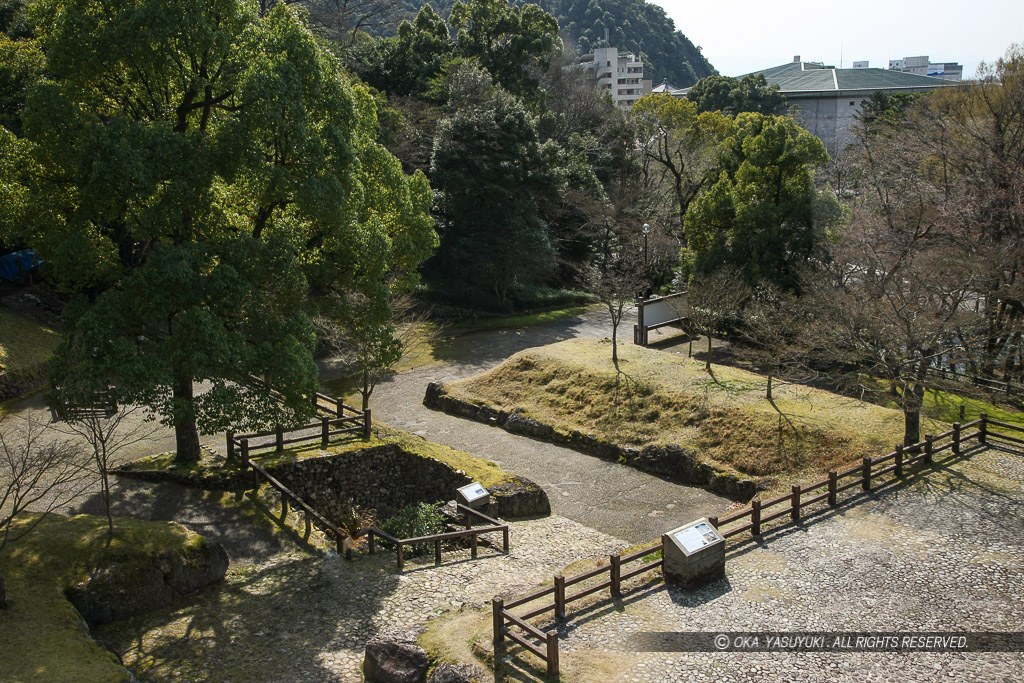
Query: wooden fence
{"x": 993, "y": 385}
{"x": 242, "y": 444}
{"x": 470, "y": 531}
{"x": 100, "y": 403}
{"x": 547, "y": 649}
{"x": 861, "y": 476}
{"x": 751, "y": 519}
{"x": 309, "y": 514}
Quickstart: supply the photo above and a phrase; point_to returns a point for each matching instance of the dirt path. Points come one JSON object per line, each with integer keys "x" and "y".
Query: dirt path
{"x": 609, "y": 497}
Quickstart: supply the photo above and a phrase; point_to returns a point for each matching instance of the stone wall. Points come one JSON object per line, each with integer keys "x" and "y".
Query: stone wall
{"x": 383, "y": 478}
{"x": 673, "y": 462}
{"x": 19, "y": 382}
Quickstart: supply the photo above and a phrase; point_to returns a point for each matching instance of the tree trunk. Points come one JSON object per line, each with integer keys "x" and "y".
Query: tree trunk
{"x": 105, "y": 483}
{"x": 186, "y": 436}
{"x": 366, "y": 391}
{"x": 707, "y": 361}
{"x": 615, "y": 343}
{"x": 3, "y": 591}
{"x": 768, "y": 393}
{"x": 911, "y": 425}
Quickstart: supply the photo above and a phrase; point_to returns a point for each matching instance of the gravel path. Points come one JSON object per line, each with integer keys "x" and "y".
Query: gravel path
{"x": 943, "y": 553}
{"x": 606, "y": 496}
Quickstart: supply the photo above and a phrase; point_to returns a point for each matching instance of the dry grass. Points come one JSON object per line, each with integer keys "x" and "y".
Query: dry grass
{"x": 664, "y": 398}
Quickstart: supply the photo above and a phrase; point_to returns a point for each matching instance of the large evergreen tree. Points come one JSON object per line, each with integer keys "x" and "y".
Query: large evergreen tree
{"x": 195, "y": 169}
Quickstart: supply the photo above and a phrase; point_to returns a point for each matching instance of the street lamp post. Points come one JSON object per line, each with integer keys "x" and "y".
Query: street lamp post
{"x": 647, "y": 229}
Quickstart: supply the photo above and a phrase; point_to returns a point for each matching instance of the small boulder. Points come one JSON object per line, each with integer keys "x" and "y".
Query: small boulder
{"x": 395, "y": 658}
{"x": 450, "y": 673}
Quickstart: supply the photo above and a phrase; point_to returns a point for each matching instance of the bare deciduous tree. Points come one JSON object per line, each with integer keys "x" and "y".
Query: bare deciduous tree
{"x": 369, "y": 349}
{"x": 615, "y": 277}
{"x": 772, "y": 322}
{"x": 37, "y": 474}
{"x": 712, "y": 300}
{"x": 107, "y": 435}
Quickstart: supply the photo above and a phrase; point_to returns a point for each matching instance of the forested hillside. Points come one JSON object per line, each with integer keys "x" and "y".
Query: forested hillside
{"x": 634, "y": 25}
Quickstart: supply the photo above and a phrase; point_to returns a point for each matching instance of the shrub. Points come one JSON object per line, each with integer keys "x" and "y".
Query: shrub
{"x": 422, "y": 519}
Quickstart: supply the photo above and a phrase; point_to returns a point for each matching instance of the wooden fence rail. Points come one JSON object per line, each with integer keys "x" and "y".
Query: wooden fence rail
{"x": 309, "y": 514}
{"x": 547, "y": 649}
{"x": 471, "y": 532}
{"x": 751, "y": 519}
{"x": 862, "y": 476}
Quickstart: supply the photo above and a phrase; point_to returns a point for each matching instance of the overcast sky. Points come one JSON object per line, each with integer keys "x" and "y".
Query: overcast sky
{"x": 740, "y": 36}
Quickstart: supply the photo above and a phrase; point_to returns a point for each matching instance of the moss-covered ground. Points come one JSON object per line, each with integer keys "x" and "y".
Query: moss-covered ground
{"x": 41, "y": 635}
{"x": 24, "y": 342}
{"x": 662, "y": 398}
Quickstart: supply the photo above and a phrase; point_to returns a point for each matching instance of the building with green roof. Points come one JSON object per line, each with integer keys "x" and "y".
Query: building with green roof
{"x": 826, "y": 99}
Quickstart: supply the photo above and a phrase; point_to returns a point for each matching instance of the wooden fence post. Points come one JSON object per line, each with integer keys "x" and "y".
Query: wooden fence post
{"x": 616, "y": 573}
{"x": 401, "y": 559}
{"x": 929, "y": 445}
{"x": 371, "y": 542}
{"x": 795, "y": 512}
{"x": 472, "y": 546}
{"x": 340, "y": 408}
{"x": 231, "y": 444}
{"x": 983, "y": 429}
{"x": 341, "y": 546}
{"x": 279, "y": 437}
{"x": 245, "y": 449}
{"x": 866, "y": 482}
{"x": 498, "y": 613}
{"x": 284, "y": 507}
{"x": 504, "y": 539}
{"x": 552, "y": 657}
{"x": 899, "y": 460}
{"x": 713, "y": 521}
{"x": 956, "y": 438}
{"x": 755, "y": 517}
{"x": 833, "y": 481}
{"x": 559, "y": 596}
{"x": 437, "y": 551}
{"x": 325, "y": 431}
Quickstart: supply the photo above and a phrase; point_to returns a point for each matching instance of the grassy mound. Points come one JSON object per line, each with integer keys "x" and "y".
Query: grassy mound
{"x": 662, "y": 398}
{"x": 24, "y": 343}
{"x": 41, "y": 635}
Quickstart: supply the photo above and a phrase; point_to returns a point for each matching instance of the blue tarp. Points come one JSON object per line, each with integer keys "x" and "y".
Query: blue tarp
{"x": 25, "y": 259}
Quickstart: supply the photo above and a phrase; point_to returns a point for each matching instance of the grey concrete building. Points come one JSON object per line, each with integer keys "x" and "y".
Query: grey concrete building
{"x": 826, "y": 100}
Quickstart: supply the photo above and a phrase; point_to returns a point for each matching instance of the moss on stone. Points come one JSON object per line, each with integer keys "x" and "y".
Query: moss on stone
{"x": 43, "y": 637}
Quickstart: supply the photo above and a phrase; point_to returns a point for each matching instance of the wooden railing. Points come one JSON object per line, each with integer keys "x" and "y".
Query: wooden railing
{"x": 751, "y": 519}
{"x": 309, "y": 514}
{"x": 470, "y": 531}
{"x": 547, "y": 649}
{"x": 992, "y": 385}
{"x": 241, "y": 444}
{"x": 335, "y": 407}
{"x": 826, "y": 491}
{"x": 100, "y": 403}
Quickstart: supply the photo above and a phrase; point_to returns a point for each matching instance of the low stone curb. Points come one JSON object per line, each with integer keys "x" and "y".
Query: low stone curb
{"x": 671, "y": 461}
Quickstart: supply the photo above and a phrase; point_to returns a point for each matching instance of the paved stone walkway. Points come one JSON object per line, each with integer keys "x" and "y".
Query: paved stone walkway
{"x": 944, "y": 553}
{"x": 297, "y": 617}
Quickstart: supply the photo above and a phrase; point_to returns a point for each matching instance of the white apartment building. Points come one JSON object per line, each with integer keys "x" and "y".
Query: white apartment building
{"x": 923, "y": 66}
{"x": 622, "y": 74}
